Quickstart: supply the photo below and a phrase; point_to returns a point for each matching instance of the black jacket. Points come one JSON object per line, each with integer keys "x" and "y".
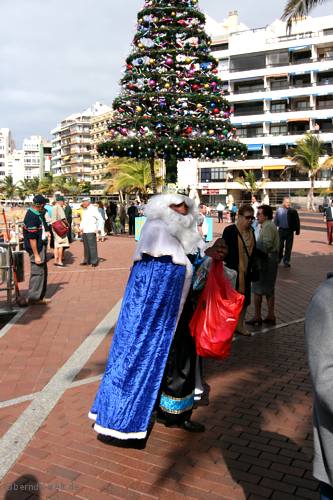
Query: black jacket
{"x": 293, "y": 221}
{"x": 230, "y": 236}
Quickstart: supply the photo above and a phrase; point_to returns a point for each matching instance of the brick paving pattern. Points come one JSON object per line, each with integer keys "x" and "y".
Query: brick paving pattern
{"x": 258, "y": 442}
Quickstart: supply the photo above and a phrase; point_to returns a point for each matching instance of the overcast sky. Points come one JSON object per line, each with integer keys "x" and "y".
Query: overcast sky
{"x": 58, "y": 57}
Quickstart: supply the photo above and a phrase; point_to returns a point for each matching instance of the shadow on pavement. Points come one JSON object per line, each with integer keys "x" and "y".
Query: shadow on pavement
{"x": 24, "y": 487}
{"x": 258, "y": 423}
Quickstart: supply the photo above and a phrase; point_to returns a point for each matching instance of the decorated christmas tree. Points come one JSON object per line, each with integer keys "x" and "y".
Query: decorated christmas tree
{"x": 171, "y": 105}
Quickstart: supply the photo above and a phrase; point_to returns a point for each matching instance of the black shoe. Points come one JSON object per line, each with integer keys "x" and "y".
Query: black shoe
{"x": 254, "y": 322}
{"x": 269, "y": 321}
{"x": 286, "y": 264}
{"x": 191, "y": 426}
{"x": 83, "y": 264}
{"x": 94, "y": 265}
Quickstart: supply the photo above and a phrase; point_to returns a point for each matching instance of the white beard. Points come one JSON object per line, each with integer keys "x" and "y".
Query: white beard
{"x": 184, "y": 229}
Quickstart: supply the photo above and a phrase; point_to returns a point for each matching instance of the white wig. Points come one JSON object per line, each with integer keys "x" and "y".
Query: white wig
{"x": 160, "y": 203}
{"x": 182, "y": 227}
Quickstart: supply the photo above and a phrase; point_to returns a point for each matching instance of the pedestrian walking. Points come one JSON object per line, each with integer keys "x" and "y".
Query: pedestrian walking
{"x": 319, "y": 343}
{"x": 233, "y": 213}
{"x": 132, "y": 212}
{"x": 241, "y": 244}
{"x": 267, "y": 253}
{"x": 111, "y": 214}
{"x": 69, "y": 217}
{"x": 328, "y": 215}
{"x": 202, "y": 221}
{"x": 60, "y": 242}
{"x": 220, "y": 209}
{"x": 35, "y": 243}
{"x": 101, "y": 221}
{"x": 287, "y": 220}
{"x": 89, "y": 231}
{"x": 146, "y": 334}
{"x": 122, "y": 217}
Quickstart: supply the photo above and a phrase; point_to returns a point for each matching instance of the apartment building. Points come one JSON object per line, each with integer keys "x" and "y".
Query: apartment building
{"x": 99, "y": 132}
{"x": 36, "y": 156}
{"x": 280, "y": 85}
{"x": 7, "y": 146}
{"x": 15, "y": 165}
{"x": 72, "y": 144}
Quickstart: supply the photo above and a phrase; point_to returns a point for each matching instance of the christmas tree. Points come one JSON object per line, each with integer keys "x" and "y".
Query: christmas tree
{"x": 171, "y": 104}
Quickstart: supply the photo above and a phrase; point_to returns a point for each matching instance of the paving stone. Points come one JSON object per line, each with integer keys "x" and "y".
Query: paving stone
{"x": 259, "y": 439}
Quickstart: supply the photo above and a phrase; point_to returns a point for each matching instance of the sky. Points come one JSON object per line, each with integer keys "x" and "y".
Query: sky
{"x": 58, "y": 57}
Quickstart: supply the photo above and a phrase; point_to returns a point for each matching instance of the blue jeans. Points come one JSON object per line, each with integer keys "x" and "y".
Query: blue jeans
{"x": 326, "y": 492}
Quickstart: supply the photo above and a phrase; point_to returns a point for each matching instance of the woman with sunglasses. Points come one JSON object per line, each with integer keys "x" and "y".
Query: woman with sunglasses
{"x": 268, "y": 244}
{"x": 240, "y": 240}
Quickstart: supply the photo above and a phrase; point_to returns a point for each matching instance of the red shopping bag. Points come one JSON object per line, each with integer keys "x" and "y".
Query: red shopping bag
{"x": 216, "y": 316}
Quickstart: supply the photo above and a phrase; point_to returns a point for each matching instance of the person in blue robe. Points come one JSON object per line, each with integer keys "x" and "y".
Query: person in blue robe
{"x": 157, "y": 289}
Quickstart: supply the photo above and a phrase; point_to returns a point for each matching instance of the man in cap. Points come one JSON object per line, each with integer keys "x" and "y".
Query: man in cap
{"x": 89, "y": 230}
{"x": 35, "y": 243}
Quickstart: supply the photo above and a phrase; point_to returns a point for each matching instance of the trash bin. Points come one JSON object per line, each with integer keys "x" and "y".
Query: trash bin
{"x": 18, "y": 258}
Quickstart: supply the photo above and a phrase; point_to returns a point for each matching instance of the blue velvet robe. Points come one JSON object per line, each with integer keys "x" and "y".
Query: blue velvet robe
{"x": 129, "y": 389}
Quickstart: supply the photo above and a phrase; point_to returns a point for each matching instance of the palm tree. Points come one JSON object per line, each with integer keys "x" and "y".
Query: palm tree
{"x": 249, "y": 181}
{"x": 7, "y": 187}
{"x": 46, "y": 185}
{"x": 306, "y": 156}
{"x": 298, "y": 8}
{"x": 130, "y": 176}
{"x": 30, "y": 186}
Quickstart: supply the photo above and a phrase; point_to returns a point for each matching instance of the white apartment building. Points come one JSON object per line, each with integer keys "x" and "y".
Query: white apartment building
{"x": 36, "y": 156}
{"x": 72, "y": 144}
{"x": 280, "y": 85}
{"x": 15, "y": 165}
{"x": 7, "y": 146}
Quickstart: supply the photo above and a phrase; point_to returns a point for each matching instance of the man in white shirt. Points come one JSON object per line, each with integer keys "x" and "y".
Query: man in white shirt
{"x": 202, "y": 222}
{"x": 89, "y": 230}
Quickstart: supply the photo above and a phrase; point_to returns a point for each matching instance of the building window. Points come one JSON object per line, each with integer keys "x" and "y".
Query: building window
{"x": 251, "y": 131}
{"x": 279, "y": 83}
{"x": 248, "y": 108}
{"x": 220, "y": 46}
{"x": 214, "y": 174}
{"x": 249, "y": 86}
{"x": 278, "y": 58}
{"x": 278, "y": 106}
{"x": 278, "y": 151}
{"x": 247, "y": 62}
{"x": 278, "y": 129}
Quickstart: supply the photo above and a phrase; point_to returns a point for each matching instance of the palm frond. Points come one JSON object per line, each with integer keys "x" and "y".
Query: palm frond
{"x": 298, "y": 8}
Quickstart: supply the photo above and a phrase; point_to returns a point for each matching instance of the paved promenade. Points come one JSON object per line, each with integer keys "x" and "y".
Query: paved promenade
{"x": 258, "y": 442}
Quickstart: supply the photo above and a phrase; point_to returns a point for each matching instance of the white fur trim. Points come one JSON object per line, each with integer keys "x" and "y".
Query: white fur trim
{"x": 116, "y": 434}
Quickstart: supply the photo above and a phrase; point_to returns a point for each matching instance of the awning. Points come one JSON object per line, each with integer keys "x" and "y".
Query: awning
{"x": 298, "y": 120}
{"x": 274, "y": 167}
{"x": 300, "y": 47}
{"x": 254, "y": 147}
{"x": 277, "y": 75}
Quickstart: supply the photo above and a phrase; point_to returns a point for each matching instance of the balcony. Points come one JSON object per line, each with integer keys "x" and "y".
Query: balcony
{"x": 248, "y": 112}
{"x": 249, "y": 90}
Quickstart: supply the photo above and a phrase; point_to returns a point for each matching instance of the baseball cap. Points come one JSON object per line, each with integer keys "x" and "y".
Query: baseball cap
{"x": 39, "y": 199}
{"x": 86, "y": 198}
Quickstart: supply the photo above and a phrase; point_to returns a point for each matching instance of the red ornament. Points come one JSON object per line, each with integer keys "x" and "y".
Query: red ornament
{"x": 215, "y": 70}
{"x": 188, "y": 130}
{"x": 216, "y": 111}
{"x": 195, "y": 87}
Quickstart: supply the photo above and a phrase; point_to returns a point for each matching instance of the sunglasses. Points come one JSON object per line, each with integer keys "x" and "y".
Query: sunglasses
{"x": 248, "y": 217}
